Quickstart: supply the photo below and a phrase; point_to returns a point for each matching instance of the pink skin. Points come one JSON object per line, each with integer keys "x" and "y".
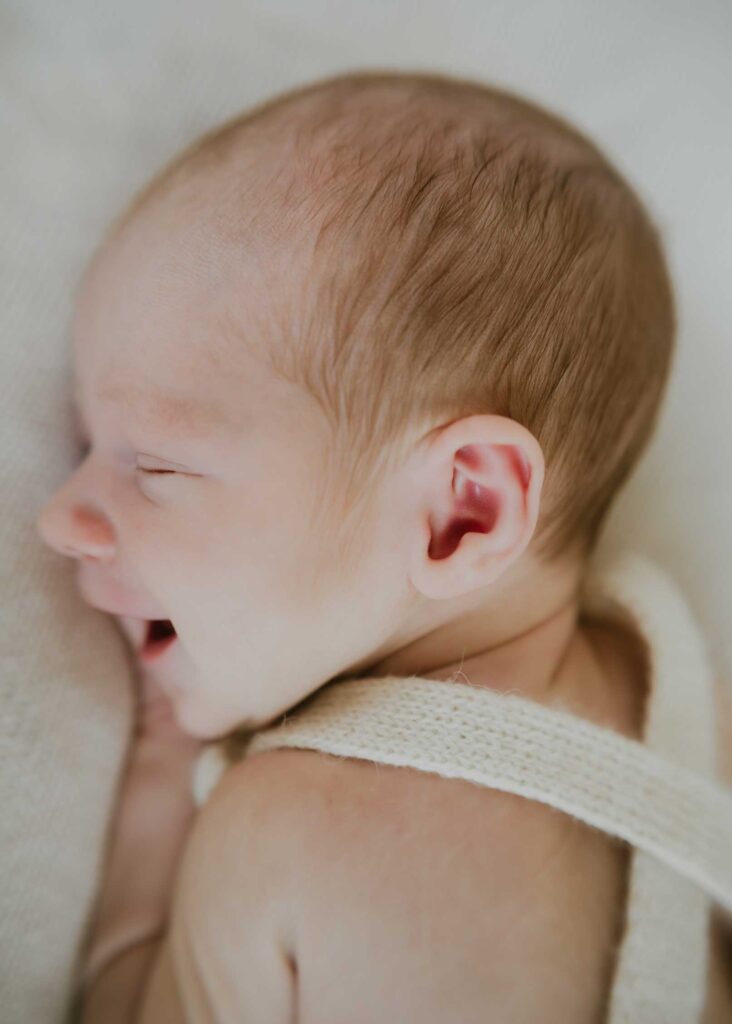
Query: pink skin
{"x": 197, "y": 498}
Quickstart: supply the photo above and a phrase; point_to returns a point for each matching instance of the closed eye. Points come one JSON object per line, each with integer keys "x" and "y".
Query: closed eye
{"x": 159, "y": 470}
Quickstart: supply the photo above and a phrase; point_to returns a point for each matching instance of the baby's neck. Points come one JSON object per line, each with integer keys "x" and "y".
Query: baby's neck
{"x": 529, "y": 664}
{"x": 595, "y": 669}
{"x": 516, "y": 635}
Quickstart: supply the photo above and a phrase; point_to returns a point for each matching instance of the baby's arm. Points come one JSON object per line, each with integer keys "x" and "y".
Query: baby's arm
{"x": 152, "y": 820}
{"x": 228, "y": 952}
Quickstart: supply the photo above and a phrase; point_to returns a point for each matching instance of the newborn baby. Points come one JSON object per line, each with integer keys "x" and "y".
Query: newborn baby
{"x": 359, "y": 375}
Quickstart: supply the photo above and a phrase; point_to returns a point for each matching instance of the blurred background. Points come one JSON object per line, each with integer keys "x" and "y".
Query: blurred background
{"x": 94, "y": 97}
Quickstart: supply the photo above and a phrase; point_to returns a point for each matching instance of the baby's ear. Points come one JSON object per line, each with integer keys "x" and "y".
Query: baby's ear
{"x": 480, "y": 481}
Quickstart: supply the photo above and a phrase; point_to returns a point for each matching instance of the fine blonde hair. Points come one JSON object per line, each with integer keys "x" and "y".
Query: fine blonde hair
{"x": 471, "y": 252}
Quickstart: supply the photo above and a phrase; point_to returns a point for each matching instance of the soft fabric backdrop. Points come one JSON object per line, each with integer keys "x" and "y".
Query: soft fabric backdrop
{"x": 94, "y": 97}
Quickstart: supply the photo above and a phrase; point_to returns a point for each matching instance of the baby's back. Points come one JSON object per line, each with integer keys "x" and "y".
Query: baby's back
{"x": 425, "y": 899}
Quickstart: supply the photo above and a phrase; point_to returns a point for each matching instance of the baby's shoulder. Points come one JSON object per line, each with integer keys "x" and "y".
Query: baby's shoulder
{"x": 393, "y": 873}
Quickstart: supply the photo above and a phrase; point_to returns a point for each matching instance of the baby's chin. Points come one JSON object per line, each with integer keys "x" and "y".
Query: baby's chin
{"x": 173, "y": 671}
{"x": 195, "y": 718}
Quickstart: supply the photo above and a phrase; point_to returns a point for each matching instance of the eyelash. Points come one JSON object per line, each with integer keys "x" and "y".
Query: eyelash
{"x": 84, "y": 450}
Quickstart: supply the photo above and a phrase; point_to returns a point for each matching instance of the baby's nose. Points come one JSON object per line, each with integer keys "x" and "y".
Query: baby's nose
{"x": 76, "y": 529}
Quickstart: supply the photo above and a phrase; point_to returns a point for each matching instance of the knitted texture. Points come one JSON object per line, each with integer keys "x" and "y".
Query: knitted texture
{"x": 661, "y": 968}
{"x": 509, "y": 743}
{"x": 658, "y": 795}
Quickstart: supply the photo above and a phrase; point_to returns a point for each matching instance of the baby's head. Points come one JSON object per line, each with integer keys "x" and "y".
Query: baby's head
{"x": 368, "y": 361}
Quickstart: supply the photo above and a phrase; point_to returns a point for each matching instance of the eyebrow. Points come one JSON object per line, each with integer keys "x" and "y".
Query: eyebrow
{"x": 167, "y": 412}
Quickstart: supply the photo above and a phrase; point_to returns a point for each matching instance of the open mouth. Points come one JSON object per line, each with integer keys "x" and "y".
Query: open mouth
{"x": 160, "y": 636}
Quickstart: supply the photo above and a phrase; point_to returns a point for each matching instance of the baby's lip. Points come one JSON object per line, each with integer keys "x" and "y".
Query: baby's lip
{"x": 120, "y": 610}
{"x": 133, "y": 625}
{"x": 158, "y": 642}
